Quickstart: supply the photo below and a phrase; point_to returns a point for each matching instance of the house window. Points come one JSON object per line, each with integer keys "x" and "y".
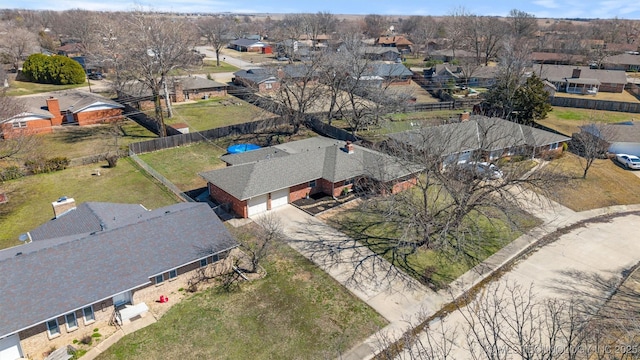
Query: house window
{"x": 159, "y": 279}
{"x": 52, "y": 328}
{"x": 553, "y": 146}
{"x": 495, "y": 154}
{"x": 215, "y": 258}
{"x": 268, "y": 86}
{"x": 20, "y": 124}
{"x": 348, "y": 182}
{"x": 203, "y": 262}
{"x": 88, "y": 314}
{"x": 72, "y": 322}
{"x": 173, "y": 274}
{"x": 312, "y": 184}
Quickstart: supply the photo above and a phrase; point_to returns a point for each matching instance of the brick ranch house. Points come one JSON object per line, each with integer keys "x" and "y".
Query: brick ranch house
{"x": 181, "y": 89}
{"x": 261, "y": 180}
{"x": 259, "y": 79}
{"x": 95, "y": 265}
{"x": 68, "y": 107}
{"x": 475, "y": 137}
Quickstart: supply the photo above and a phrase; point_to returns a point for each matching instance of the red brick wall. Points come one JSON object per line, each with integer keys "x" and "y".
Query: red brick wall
{"x": 53, "y": 106}
{"x": 298, "y": 192}
{"x": 222, "y": 197}
{"x": 98, "y": 116}
{"x": 404, "y": 185}
{"x": 33, "y": 127}
{"x": 263, "y": 87}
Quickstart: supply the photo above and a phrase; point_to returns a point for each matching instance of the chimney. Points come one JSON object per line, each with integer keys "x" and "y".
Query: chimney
{"x": 54, "y": 108}
{"x": 349, "y": 147}
{"x": 179, "y": 91}
{"x": 465, "y": 116}
{"x": 576, "y": 73}
{"x": 62, "y": 206}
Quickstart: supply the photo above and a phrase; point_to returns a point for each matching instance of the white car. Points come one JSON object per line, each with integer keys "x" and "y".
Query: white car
{"x": 628, "y": 161}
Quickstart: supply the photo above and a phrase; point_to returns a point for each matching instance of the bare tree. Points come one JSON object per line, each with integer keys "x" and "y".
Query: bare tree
{"x": 590, "y": 144}
{"x": 424, "y": 31}
{"x": 17, "y": 146}
{"x": 215, "y": 29}
{"x": 375, "y": 25}
{"x": 455, "y": 26}
{"x": 269, "y": 232}
{"x": 523, "y": 24}
{"x": 20, "y": 44}
{"x": 152, "y": 48}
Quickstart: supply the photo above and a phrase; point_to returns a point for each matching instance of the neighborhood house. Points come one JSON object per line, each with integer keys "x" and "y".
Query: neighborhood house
{"x": 98, "y": 265}
{"x": 477, "y": 137}
{"x": 582, "y": 79}
{"x": 261, "y": 180}
{"x": 42, "y": 113}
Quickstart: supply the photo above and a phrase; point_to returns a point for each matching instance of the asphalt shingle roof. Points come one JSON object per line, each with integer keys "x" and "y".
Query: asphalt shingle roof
{"x": 564, "y": 72}
{"x": 479, "y": 132}
{"x": 55, "y": 276}
{"x": 256, "y": 75}
{"x": 302, "y": 161}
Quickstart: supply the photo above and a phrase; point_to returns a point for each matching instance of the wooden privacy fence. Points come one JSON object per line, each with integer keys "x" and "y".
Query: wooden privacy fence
{"x": 211, "y": 134}
{"x": 594, "y": 104}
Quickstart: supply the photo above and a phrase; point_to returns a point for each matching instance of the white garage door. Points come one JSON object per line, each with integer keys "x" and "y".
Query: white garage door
{"x": 257, "y": 205}
{"x": 279, "y": 198}
{"x": 10, "y": 348}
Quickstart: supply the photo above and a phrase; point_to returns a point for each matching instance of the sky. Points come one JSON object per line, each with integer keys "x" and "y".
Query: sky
{"x": 624, "y": 9}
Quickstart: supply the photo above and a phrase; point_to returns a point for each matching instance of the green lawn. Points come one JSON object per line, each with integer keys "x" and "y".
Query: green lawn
{"x": 296, "y": 312}
{"x": 371, "y": 226}
{"x": 30, "y": 197}
{"x": 568, "y": 120}
{"x": 216, "y": 112}
{"x": 77, "y": 141}
{"x": 181, "y": 165}
{"x": 26, "y": 88}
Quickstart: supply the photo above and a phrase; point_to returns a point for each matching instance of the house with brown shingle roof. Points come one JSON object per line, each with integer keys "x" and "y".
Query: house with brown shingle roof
{"x": 581, "y": 79}
{"x": 399, "y": 42}
{"x": 624, "y": 62}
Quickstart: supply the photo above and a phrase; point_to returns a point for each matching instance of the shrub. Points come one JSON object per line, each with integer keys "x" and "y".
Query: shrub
{"x": 42, "y": 165}
{"x": 10, "y": 173}
{"x": 96, "y": 335}
{"x": 58, "y": 70}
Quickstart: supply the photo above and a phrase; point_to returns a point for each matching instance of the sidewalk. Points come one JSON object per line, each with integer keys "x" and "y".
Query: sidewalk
{"x": 126, "y": 329}
{"x": 555, "y": 217}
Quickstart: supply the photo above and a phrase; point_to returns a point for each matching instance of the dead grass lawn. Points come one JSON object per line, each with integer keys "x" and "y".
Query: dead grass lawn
{"x": 606, "y": 184}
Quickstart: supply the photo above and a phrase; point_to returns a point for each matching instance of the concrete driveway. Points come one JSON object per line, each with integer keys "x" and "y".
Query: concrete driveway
{"x": 582, "y": 265}
{"x": 390, "y": 292}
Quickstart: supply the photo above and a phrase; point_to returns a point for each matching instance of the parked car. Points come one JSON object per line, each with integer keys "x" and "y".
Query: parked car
{"x": 95, "y": 76}
{"x": 282, "y": 58}
{"x": 628, "y": 161}
{"x": 479, "y": 170}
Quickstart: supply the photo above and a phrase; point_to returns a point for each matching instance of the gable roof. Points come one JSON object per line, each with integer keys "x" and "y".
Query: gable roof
{"x": 83, "y": 268}
{"x": 379, "y": 50}
{"x": 193, "y": 83}
{"x": 299, "y": 162}
{"x": 561, "y": 73}
{"x": 389, "y": 70}
{"x": 628, "y": 131}
{"x": 248, "y": 43}
{"x": 393, "y": 40}
{"x": 622, "y": 59}
{"x": 256, "y": 75}
{"x": 478, "y": 133}
{"x": 73, "y": 101}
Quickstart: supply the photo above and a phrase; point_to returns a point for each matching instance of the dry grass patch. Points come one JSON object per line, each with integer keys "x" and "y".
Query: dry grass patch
{"x": 624, "y": 96}
{"x": 568, "y": 120}
{"x": 606, "y": 184}
{"x": 296, "y": 312}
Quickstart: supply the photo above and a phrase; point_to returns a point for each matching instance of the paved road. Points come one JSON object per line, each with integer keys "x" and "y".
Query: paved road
{"x": 210, "y": 54}
{"x": 579, "y": 265}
